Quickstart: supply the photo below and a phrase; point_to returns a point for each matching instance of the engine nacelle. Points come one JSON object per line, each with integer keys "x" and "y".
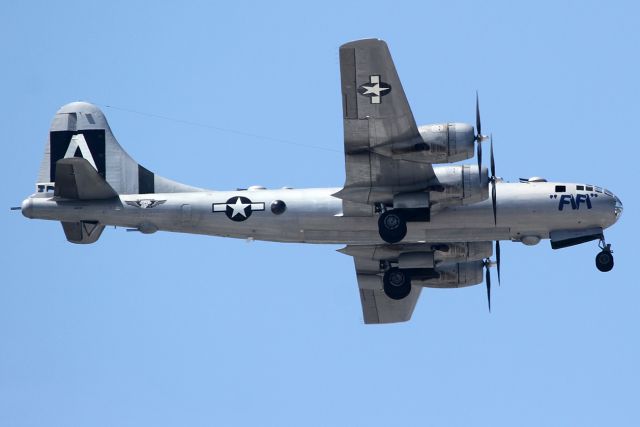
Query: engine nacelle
{"x": 461, "y": 185}
{"x": 462, "y": 252}
{"x": 451, "y": 275}
{"x": 441, "y": 253}
{"x": 441, "y": 143}
{"x": 424, "y": 255}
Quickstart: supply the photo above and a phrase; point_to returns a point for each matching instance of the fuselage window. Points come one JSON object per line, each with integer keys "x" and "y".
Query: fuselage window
{"x": 561, "y": 188}
{"x": 580, "y": 187}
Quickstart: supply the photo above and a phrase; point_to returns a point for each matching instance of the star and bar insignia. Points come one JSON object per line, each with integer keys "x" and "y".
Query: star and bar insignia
{"x": 375, "y": 89}
{"x": 238, "y": 208}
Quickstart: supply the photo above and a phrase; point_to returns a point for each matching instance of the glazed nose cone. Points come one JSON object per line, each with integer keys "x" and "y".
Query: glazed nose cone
{"x": 617, "y": 208}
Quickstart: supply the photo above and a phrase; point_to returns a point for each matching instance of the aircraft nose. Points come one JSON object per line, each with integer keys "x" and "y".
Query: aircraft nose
{"x": 617, "y": 207}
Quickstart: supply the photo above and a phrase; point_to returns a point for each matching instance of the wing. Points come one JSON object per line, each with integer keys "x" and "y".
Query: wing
{"x": 376, "y": 306}
{"x": 378, "y": 129}
{"x": 431, "y": 264}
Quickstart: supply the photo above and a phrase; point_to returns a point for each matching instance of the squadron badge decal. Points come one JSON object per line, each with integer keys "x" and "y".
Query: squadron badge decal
{"x": 238, "y": 208}
{"x": 375, "y": 89}
{"x": 145, "y": 203}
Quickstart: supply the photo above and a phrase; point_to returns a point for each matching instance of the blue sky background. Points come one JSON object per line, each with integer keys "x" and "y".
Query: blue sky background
{"x": 172, "y": 329}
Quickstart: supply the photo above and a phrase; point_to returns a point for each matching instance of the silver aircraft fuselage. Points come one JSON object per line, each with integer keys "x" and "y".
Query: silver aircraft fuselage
{"x": 526, "y": 212}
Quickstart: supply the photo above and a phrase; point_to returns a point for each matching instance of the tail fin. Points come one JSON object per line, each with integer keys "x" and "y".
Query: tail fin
{"x": 80, "y": 129}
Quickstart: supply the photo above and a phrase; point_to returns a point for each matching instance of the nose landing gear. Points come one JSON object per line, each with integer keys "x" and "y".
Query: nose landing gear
{"x": 604, "y": 260}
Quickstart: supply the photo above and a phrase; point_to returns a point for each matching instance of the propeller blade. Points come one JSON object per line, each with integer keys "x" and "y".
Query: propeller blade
{"x": 479, "y": 157}
{"x": 493, "y": 202}
{"x": 493, "y": 163}
{"x": 478, "y": 124}
{"x": 488, "y": 282}
{"x": 498, "y": 259}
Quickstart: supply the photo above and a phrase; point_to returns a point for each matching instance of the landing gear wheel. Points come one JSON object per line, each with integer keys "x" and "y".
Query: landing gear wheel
{"x": 397, "y": 283}
{"x": 392, "y": 227}
{"x": 604, "y": 261}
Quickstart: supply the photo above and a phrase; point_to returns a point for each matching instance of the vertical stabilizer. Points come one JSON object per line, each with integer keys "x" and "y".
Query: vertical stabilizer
{"x": 80, "y": 129}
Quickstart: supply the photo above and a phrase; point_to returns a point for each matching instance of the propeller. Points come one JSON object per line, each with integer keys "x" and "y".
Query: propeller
{"x": 488, "y": 263}
{"x": 479, "y": 136}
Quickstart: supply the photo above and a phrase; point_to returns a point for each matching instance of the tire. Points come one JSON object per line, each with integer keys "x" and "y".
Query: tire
{"x": 397, "y": 283}
{"x": 604, "y": 261}
{"x": 392, "y": 227}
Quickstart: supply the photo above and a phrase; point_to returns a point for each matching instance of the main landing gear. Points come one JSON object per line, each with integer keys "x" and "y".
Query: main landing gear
{"x": 392, "y": 223}
{"x": 392, "y": 226}
{"x": 397, "y": 283}
{"x": 604, "y": 260}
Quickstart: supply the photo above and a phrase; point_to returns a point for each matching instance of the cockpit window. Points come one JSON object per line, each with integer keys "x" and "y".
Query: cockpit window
{"x": 589, "y": 188}
{"x": 42, "y": 188}
{"x": 580, "y": 187}
{"x": 561, "y": 188}
{"x": 608, "y": 193}
{"x": 598, "y": 190}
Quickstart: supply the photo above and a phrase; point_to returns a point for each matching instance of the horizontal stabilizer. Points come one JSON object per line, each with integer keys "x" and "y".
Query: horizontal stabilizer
{"x": 83, "y": 232}
{"x": 77, "y": 179}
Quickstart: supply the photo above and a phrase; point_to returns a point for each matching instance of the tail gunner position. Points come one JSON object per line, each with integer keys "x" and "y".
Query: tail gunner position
{"x": 407, "y": 224}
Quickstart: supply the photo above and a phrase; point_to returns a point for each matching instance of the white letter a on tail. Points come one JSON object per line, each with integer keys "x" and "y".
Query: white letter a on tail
{"x": 78, "y": 141}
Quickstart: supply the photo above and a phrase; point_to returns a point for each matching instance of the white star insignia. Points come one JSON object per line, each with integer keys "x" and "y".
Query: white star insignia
{"x": 374, "y": 90}
{"x": 239, "y": 208}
